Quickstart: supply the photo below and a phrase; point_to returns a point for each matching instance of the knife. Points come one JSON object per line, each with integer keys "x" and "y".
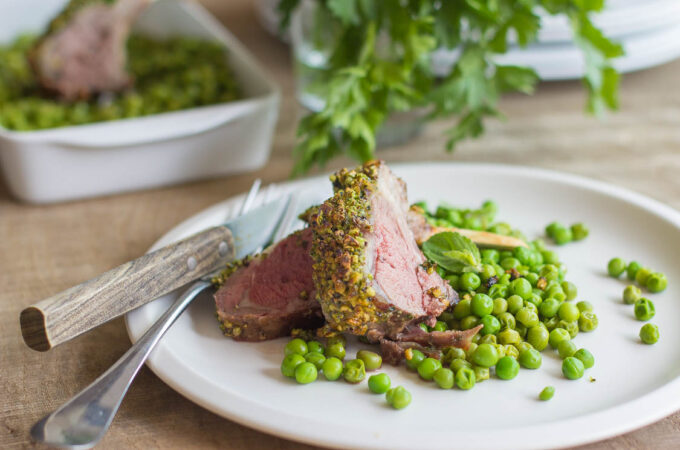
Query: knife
{"x": 74, "y": 311}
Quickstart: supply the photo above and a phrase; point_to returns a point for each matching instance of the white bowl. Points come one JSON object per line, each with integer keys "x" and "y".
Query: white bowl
{"x": 123, "y": 155}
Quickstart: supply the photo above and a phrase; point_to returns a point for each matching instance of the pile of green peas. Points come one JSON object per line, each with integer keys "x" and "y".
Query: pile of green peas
{"x": 170, "y": 75}
{"x": 304, "y": 360}
{"x": 643, "y": 308}
{"x": 523, "y": 302}
{"x": 644, "y": 276}
{"x": 561, "y": 234}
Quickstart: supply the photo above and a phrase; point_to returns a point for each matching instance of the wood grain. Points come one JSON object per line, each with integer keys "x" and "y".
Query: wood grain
{"x": 74, "y": 311}
{"x": 44, "y": 249}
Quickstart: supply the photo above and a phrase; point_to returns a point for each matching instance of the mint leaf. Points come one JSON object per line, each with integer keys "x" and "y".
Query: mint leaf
{"x": 453, "y": 252}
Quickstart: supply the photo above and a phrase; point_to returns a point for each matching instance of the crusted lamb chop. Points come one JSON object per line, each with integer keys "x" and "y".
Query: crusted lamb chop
{"x": 267, "y": 296}
{"x": 84, "y": 49}
{"x": 370, "y": 276}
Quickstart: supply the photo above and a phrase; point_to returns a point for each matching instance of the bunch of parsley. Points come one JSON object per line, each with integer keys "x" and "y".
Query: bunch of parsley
{"x": 363, "y": 86}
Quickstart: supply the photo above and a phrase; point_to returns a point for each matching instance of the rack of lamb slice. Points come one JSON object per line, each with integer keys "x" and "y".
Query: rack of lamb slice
{"x": 357, "y": 262}
{"x": 83, "y": 51}
{"x": 370, "y": 277}
{"x": 270, "y": 294}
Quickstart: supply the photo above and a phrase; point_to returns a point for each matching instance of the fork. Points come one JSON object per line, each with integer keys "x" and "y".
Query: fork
{"x": 83, "y": 421}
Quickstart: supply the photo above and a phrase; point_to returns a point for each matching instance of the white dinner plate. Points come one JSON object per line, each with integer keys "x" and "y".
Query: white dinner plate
{"x": 632, "y": 384}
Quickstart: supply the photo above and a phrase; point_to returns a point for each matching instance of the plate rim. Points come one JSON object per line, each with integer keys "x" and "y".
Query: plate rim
{"x": 645, "y": 409}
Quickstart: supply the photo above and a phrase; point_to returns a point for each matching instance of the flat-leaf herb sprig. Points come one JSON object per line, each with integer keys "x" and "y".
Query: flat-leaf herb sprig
{"x": 364, "y": 84}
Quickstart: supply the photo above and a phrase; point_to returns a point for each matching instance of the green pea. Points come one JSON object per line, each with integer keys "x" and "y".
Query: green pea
{"x": 584, "y": 306}
{"x": 488, "y": 339}
{"x": 572, "y": 368}
{"x": 476, "y": 338}
{"x": 509, "y": 336}
{"x": 558, "y": 335}
{"x": 551, "y": 323}
{"x": 444, "y": 378}
{"x": 498, "y": 290}
{"x": 452, "y": 353}
{"x": 398, "y": 397}
{"x": 571, "y": 327}
{"x": 315, "y": 347}
{"x": 510, "y": 350}
{"x": 515, "y": 303}
{"x": 550, "y": 257}
{"x": 523, "y": 346}
{"x": 538, "y": 337}
{"x": 586, "y": 357}
{"x": 379, "y": 383}
{"x": 656, "y": 282}
{"x": 568, "y": 312}
{"x": 510, "y": 263}
{"x": 305, "y": 373}
{"x": 535, "y": 299}
{"x": 551, "y": 227}
{"x": 649, "y": 334}
{"x": 500, "y": 305}
{"x": 616, "y": 267}
{"x": 315, "y": 358}
{"x": 469, "y": 281}
{"x": 372, "y": 360}
{"x": 562, "y": 236}
{"x": 631, "y": 294}
{"x": 427, "y": 368}
{"x": 579, "y": 231}
{"x": 354, "y": 371}
{"x": 532, "y": 278}
{"x": 440, "y": 326}
{"x": 424, "y": 327}
{"x": 546, "y": 394}
{"x": 500, "y": 349}
{"x": 465, "y": 378}
{"x": 566, "y": 349}
{"x": 332, "y": 368}
{"x": 290, "y": 363}
{"x": 491, "y": 325}
{"x": 521, "y": 287}
{"x": 337, "y": 339}
{"x": 335, "y": 350}
{"x": 644, "y": 309}
{"x": 469, "y": 322}
{"x": 641, "y": 276}
{"x": 485, "y": 355}
{"x": 413, "y": 358}
{"x": 454, "y": 281}
{"x": 481, "y": 373}
{"x": 507, "y": 321}
{"x": 507, "y": 368}
{"x": 527, "y": 317}
{"x": 530, "y": 359}
{"x": 481, "y": 305}
{"x": 458, "y": 364}
{"x": 549, "y": 308}
{"x": 490, "y": 255}
{"x": 487, "y": 272}
{"x": 588, "y": 321}
{"x": 570, "y": 289}
{"x": 632, "y": 269}
{"x": 522, "y": 254}
{"x": 462, "y": 309}
{"x": 296, "y": 345}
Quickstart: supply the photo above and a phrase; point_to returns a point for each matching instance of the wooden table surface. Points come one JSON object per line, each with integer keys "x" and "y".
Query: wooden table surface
{"x": 45, "y": 249}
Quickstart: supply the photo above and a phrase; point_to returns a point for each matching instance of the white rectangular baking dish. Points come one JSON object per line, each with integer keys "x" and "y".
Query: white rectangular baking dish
{"x": 108, "y": 157}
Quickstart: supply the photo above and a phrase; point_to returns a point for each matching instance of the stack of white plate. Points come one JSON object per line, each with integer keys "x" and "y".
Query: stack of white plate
{"x": 649, "y": 31}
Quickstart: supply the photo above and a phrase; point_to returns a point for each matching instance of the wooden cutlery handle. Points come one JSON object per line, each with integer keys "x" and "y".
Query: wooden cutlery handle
{"x": 90, "y": 304}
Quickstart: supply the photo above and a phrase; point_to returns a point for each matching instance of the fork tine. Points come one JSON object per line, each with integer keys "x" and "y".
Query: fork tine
{"x": 288, "y": 217}
{"x": 249, "y": 201}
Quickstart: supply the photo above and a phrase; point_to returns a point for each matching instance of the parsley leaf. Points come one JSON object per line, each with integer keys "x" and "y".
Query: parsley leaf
{"x": 381, "y": 62}
{"x": 453, "y": 252}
